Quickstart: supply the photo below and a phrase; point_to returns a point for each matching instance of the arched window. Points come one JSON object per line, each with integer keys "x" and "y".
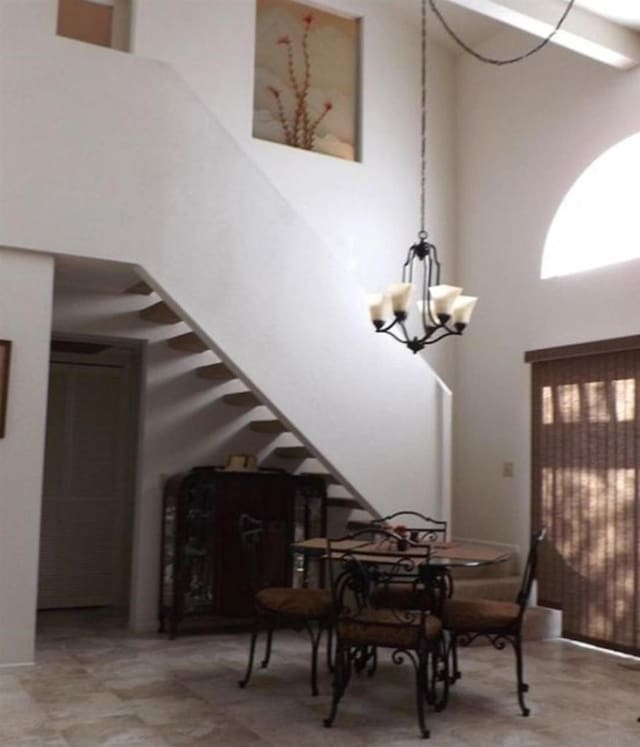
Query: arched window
{"x": 598, "y": 222}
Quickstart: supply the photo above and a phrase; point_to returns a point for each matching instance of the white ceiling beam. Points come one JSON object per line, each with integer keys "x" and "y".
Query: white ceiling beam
{"x": 582, "y": 32}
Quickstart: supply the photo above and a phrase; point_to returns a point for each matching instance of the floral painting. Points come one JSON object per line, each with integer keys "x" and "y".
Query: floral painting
{"x": 306, "y": 78}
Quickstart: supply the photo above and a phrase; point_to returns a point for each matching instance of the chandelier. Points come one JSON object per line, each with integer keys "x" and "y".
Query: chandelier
{"x": 443, "y": 310}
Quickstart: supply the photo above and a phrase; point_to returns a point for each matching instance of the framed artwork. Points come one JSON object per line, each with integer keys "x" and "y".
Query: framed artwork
{"x": 306, "y": 90}
{"x": 5, "y": 359}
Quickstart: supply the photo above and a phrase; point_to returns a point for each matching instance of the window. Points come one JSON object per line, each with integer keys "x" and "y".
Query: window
{"x": 585, "y": 488}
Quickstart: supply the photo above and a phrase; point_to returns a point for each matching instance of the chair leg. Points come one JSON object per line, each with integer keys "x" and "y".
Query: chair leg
{"x": 340, "y": 680}
{"x": 455, "y": 672}
{"x": 267, "y": 650}
{"x": 330, "y": 661}
{"x": 252, "y": 649}
{"x": 438, "y": 677}
{"x": 315, "y": 636}
{"x": 373, "y": 666}
{"x": 522, "y": 685}
{"x": 422, "y": 674}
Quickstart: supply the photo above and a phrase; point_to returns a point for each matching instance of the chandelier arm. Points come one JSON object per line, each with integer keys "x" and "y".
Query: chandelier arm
{"x": 492, "y": 60}
{"x": 391, "y": 334}
{"x": 388, "y": 327}
{"x": 403, "y": 327}
{"x": 427, "y": 312}
{"x": 447, "y": 333}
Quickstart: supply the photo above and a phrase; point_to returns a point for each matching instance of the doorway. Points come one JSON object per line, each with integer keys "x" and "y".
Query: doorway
{"x": 89, "y": 474}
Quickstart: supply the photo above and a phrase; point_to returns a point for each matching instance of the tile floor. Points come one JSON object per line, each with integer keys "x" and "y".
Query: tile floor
{"x": 95, "y": 685}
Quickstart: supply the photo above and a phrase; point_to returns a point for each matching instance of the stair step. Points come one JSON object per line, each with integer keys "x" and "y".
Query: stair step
{"x": 356, "y": 526}
{"x": 188, "y": 343}
{"x": 293, "y": 452}
{"x": 268, "y": 426}
{"x": 342, "y": 502}
{"x": 140, "y": 289}
{"x": 242, "y": 399}
{"x": 160, "y": 313}
{"x": 331, "y": 479}
{"x": 215, "y": 372}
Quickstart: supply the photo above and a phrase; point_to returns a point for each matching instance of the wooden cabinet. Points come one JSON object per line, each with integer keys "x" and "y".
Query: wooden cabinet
{"x": 203, "y": 571}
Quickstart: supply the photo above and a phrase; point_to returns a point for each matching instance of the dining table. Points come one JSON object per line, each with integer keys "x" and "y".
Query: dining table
{"x": 442, "y": 554}
{"x": 429, "y": 560}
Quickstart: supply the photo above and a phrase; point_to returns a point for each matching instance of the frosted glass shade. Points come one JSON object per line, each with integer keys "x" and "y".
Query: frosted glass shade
{"x": 379, "y": 307}
{"x": 462, "y": 309}
{"x": 443, "y": 298}
{"x": 401, "y": 295}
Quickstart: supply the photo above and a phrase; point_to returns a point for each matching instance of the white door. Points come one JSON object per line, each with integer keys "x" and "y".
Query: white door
{"x": 85, "y": 536}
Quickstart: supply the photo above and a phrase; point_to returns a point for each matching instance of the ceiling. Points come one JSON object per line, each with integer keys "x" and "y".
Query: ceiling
{"x": 93, "y": 274}
{"x": 475, "y": 28}
{"x": 624, "y": 12}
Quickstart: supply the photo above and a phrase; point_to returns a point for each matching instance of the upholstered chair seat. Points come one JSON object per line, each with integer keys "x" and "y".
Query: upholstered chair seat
{"x": 387, "y": 628}
{"x": 479, "y": 614}
{"x": 311, "y": 603}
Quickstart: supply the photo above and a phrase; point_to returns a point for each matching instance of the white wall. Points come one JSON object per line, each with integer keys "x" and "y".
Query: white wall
{"x": 526, "y": 133}
{"x": 366, "y": 213}
{"x": 110, "y": 156}
{"x": 26, "y": 284}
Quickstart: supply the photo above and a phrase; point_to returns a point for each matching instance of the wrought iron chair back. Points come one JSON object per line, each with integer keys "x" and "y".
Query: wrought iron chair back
{"x": 251, "y": 538}
{"x": 373, "y": 563}
{"x": 261, "y": 541}
{"x": 419, "y": 528}
{"x": 530, "y": 569}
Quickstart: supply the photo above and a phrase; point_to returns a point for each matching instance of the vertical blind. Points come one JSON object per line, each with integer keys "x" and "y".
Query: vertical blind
{"x": 585, "y": 461}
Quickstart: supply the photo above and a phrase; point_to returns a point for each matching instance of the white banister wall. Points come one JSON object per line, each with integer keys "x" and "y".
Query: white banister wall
{"x": 26, "y": 288}
{"x": 110, "y": 156}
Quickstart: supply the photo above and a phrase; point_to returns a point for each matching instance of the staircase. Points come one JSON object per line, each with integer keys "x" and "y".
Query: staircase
{"x": 294, "y": 457}
{"x": 144, "y": 174}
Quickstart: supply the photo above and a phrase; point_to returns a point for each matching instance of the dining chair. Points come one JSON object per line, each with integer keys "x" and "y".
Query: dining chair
{"x": 403, "y": 593}
{"x": 279, "y": 607}
{"x": 369, "y": 560}
{"x": 499, "y": 622}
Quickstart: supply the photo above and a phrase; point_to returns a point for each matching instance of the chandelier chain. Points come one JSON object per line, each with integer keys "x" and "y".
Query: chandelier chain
{"x": 492, "y": 60}
{"x": 423, "y": 122}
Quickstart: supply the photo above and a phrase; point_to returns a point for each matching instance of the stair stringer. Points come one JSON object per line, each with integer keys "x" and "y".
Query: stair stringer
{"x": 140, "y": 171}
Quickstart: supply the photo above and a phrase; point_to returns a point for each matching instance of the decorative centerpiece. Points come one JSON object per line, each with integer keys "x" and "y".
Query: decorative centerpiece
{"x": 401, "y": 531}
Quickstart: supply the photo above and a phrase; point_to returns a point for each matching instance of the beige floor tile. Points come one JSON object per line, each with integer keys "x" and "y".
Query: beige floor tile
{"x": 96, "y": 685}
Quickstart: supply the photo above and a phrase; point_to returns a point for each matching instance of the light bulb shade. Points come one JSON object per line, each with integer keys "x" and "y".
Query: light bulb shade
{"x": 462, "y": 309}
{"x": 401, "y": 295}
{"x": 379, "y": 307}
{"x": 443, "y": 298}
